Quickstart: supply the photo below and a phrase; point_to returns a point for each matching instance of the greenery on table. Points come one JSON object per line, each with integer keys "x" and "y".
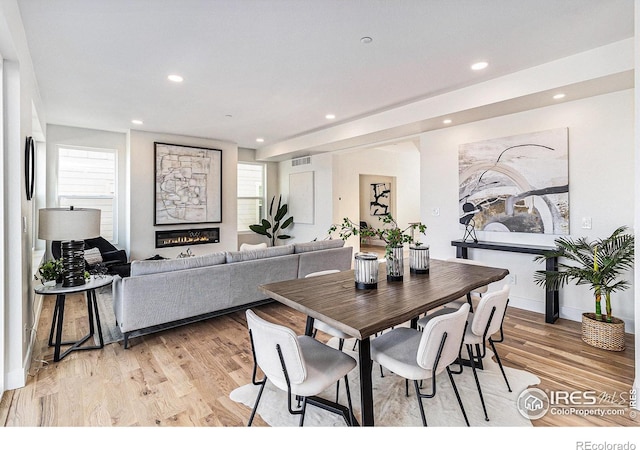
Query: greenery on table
{"x": 390, "y": 233}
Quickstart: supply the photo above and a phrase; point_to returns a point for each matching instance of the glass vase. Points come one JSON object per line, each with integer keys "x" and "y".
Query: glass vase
{"x": 395, "y": 263}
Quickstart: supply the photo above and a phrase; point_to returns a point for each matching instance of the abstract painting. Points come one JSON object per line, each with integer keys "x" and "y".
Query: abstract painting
{"x": 516, "y": 183}
{"x": 379, "y": 203}
{"x": 188, "y": 184}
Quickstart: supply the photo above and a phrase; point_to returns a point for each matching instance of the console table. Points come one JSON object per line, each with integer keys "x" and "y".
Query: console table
{"x": 552, "y": 299}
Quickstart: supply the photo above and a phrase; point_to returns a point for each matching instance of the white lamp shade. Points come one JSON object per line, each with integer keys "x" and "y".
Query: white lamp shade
{"x": 64, "y": 224}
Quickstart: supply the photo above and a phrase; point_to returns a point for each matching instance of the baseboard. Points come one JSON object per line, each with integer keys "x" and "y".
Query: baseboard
{"x": 566, "y": 312}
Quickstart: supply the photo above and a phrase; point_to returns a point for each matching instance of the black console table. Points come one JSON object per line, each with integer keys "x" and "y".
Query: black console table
{"x": 552, "y": 300}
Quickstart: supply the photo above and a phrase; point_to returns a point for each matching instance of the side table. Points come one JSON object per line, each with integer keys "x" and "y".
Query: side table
{"x": 61, "y": 292}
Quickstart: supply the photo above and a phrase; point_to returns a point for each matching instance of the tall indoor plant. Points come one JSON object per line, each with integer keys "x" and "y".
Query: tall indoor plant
{"x": 599, "y": 264}
{"x": 276, "y": 222}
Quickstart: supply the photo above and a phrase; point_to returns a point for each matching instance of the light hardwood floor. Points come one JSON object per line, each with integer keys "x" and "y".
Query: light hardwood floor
{"x": 183, "y": 377}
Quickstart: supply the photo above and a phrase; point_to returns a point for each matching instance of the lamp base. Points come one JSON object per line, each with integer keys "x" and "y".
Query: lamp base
{"x": 72, "y": 263}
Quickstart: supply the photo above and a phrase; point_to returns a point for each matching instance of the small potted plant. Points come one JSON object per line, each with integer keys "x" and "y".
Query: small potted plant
{"x": 50, "y": 271}
{"x": 598, "y": 264}
{"x": 393, "y": 236}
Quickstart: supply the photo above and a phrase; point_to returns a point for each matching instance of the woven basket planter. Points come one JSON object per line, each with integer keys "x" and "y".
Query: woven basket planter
{"x": 604, "y": 335}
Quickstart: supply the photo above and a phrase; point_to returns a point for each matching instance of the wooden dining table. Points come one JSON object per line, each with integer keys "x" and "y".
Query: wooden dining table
{"x": 362, "y": 313}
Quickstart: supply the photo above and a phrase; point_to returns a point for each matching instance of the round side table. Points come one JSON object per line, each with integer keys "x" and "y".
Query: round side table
{"x": 61, "y": 292}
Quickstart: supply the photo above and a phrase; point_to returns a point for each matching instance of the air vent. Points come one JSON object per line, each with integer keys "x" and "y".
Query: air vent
{"x": 301, "y": 161}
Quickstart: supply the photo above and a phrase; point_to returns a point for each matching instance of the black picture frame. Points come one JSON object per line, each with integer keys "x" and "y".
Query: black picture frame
{"x": 187, "y": 184}
{"x": 29, "y": 166}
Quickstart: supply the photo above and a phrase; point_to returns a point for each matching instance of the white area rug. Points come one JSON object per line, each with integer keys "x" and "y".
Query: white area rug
{"x": 393, "y": 409}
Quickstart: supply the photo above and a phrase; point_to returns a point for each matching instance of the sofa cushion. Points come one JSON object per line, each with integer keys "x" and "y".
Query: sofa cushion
{"x": 170, "y": 265}
{"x": 318, "y": 245}
{"x": 249, "y": 255}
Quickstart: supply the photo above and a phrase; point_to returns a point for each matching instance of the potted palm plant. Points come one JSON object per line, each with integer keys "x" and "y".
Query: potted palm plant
{"x": 598, "y": 264}
{"x": 393, "y": 236}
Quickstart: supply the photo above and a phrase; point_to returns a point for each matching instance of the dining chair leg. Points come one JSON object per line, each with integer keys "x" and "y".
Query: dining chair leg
{"x": 406, "y": 387}
{"x": 495, "y": 351}
{"x": 346, "y": 385}
{"x": 455, "y": 389}
{"x": 303, "y": 411}
{"x": 472, "y": 359}
{"x": 340, "y": 347}
{"x": 420, "y": 405}
{"x": 255, "y": 407}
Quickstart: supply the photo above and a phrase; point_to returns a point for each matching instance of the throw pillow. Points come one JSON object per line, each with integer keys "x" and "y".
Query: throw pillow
{"x": 247, "y": 247}
{"x": 92, "y": 256}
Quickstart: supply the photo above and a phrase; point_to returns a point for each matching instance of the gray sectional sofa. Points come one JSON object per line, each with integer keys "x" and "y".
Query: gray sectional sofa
{"x": 162, "y": 294}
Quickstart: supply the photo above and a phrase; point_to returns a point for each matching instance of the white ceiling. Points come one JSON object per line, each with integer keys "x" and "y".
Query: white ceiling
{"x": 275, "y": 68}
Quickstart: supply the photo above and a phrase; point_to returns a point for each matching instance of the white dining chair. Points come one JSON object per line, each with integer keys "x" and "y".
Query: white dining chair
{"x": 319, "y": 325}
{"x": 484, "y": 323}
{"x": 422, "y": 355}
{"x": 299, "y": 365}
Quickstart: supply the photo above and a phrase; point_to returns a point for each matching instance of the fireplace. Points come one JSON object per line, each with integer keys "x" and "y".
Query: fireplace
{"x": 176, "y": 238}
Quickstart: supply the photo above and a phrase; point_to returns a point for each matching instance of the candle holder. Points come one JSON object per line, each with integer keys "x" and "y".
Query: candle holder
{"x": 395, "y": 263}
{"x": 419, "y": 259}
{"x": 366, "y": 270}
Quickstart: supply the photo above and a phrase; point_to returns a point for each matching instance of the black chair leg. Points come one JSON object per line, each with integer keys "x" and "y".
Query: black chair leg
{"x": 346, "y": 385}
{"x": 495, "y": 351}
{"x": 472, "y": 359}
{"x": 255, "y": 407}
{"x": 422, "y": 415}
{"x": 455, "y": 389}
{"x": 304, "y": 410}
{"x": 340, "y": 347}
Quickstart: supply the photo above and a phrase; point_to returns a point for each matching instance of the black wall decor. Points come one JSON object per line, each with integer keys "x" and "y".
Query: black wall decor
{"x": 29, "y": 166}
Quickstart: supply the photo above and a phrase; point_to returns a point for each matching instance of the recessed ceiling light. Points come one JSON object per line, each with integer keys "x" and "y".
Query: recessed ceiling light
{"x": 479, "y": 65}
{"x": 447, "y": 121}
{"x": 175, "y": 78}
{"x": 366, "y": 40}
{"x": 259, "y": 140}
{"x": 558, "y": 96}
{"x": 228, "y": 116}
{"x": 136, "y": 122}
{"x": 330, "y": 116}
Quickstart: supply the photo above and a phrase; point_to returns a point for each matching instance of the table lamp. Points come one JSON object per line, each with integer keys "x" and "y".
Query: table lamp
{"x": 70, "y": 226}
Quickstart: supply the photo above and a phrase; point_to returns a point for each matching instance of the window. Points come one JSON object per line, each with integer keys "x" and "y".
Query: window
{"x": 87, "y": 179}
{"x": 251, "y": 194}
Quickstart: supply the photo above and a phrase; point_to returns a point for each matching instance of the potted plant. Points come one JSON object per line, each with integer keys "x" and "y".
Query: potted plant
{"x": 393, "y": 236}
{"x": 274, "y": 225}
{"x": 598, "y": 264}
{"x": 50, "y": 271}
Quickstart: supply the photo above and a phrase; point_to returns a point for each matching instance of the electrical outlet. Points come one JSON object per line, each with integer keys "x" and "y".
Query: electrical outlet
{"x": 511, "y": 278}
{"x": 435, "y": 212}
{"x": 586, "y": 223}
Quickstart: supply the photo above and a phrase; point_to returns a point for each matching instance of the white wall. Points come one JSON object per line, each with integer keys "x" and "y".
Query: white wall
{"x": 142, "y": 231}
{"x": 403, "y": 166}
{"x": 321, "y": 166}
{"x": 601, "y": 183}
{"x": 20, "y": 99}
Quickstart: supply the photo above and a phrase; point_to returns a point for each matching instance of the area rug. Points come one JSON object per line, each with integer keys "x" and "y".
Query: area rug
{"x": 393, "y": 409}
{"x": 110, "y": 332}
